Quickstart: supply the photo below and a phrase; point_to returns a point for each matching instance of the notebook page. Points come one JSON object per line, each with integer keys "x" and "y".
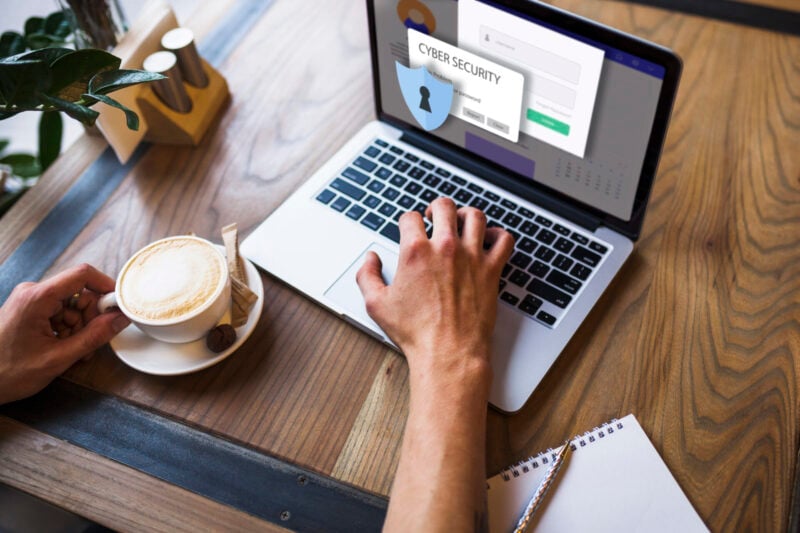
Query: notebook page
{"x": 614, "y": 481}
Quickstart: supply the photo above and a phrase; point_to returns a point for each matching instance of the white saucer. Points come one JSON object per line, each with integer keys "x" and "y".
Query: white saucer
{"x": 151, "y": 356}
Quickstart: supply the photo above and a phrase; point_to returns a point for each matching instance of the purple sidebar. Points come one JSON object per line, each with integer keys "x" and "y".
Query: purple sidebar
{"x": 501, "y": 156}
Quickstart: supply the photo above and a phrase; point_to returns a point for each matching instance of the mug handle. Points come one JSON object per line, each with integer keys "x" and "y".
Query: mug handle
{"x": 106, "y": 302}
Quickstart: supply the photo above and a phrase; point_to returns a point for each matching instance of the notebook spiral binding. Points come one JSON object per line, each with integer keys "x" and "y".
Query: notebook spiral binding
{"x": 547, "y": 457}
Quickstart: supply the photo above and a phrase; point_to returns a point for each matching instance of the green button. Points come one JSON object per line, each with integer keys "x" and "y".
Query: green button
{"x": 548, "y": 122}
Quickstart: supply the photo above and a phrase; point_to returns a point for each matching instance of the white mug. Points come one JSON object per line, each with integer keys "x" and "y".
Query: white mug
{"x": 184, "y": 328}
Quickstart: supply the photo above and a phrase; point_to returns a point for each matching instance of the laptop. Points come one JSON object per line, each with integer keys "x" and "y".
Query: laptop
{"x": 551, "y": 124}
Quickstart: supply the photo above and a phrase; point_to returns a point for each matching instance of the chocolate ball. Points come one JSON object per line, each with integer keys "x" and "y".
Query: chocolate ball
{"x": 221, "y": 338}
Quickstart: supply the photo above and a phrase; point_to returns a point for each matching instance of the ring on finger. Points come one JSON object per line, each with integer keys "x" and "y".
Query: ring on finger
{"x": 72, "y": 301}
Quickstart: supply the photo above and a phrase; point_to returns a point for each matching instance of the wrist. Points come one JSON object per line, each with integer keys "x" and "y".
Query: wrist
{"x": 451, "y": 375}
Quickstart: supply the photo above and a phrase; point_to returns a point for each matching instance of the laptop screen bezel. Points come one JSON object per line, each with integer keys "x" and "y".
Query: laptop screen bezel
{"x": 591, "y": 30}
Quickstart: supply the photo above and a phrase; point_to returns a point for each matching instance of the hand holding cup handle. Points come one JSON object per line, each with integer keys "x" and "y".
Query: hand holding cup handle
{"x": 107, "y": 302}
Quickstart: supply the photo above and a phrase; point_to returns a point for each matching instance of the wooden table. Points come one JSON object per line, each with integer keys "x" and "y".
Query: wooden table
{"x": 699, "y": 336}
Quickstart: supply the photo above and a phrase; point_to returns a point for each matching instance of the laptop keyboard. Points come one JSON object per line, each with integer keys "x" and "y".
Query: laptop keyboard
{"x": 552, "y": 260}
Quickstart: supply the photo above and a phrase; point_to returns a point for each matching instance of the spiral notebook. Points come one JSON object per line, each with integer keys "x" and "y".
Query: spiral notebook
{"x": 614, "y": 480}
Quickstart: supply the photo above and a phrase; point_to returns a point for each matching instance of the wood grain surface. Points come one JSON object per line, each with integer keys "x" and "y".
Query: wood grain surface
{"x": 698, "y": 336}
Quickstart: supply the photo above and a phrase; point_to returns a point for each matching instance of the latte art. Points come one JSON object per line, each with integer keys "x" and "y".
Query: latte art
{"x": 171, "y": 279}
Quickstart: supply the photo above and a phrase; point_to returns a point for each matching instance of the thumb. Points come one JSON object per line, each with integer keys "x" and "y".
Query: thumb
{"x": 369, "y": 278}
{"x": 93, "y": 335}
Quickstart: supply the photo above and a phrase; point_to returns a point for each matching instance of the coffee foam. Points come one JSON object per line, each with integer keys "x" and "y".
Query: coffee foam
{"x": 170, "y": 279}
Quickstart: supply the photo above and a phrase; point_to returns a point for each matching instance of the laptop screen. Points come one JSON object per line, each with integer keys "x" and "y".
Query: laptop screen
{"x": 559, "y": 108}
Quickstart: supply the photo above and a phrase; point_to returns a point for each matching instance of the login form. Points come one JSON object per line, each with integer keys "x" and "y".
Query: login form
{"x": 561, "y": 74}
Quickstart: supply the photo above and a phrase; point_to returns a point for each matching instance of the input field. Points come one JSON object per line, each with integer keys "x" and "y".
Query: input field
{"x": 530, "y": 55}
{"x": 555, "y": 92}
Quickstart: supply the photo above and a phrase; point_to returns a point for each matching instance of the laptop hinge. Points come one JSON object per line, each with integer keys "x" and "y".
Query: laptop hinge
{"x": 502, "y": 180}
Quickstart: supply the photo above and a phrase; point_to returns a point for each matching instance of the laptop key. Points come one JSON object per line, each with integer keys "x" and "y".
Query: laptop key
{"x": 509, "y": 298}
{"x": 520, "y": 260}
{"x": 563, "y": 262}
{"x": 597, "y": 247}
{"x": 546, "y": 236}
{"x": 406, "y": 202}
{"x": 427, "y": 165}
{"x": 496, "y": 211}
{"x": 366, "y": 164}
{"x": 401, "y": 165}
{"x": 432, "y": 180}
{"x": 546, "y": 317}
{"x": 502, "y": 284}
{"x": 356, "y": 176}
{"x": 381, "y": 142}
{"x": 326, "y": 196}
{"x": 479, "y": 203}
{"x": 581, "y": 272}
{"x": 580, "y": 239}
{"x": 458, "y": 180}
{"x": 529, "y": 228}
{"x": 390, "y": 194}
{"x": 530, "y": 304}
{"x": 514, "y": 234}
{"x": 372, "y": 202}
{"x": 387, "y": 159}
{"x": 373, "y": 221}
{"x": 442, "y": 172}
{"x": 420, "y": 208}
{"x": 518, "y": 277}
{"x": 391, "y": 231}
{"x": 564, "y": 282}
{"x": 350, "y": 190}
{"x": 340, "y": 204}
{"x": 562, "y": 230}
{"x": 411, "y": 157}
{"x": 355, "y": 212}
{"x": 387, "y": 209}
{"x": 416, "y": 173}
{"x": 492, "y": 197}
{"x": 372, "y": 151}
{"x": 447, "y": 188}
{"x": 526, "y": 245}
{"x": 543, "y": 221}
{"x": 525, "y": 212}
{"x": 398, "y": 180}
{"x": 376, "y": 186}
{"x": 508, "y": 204}
{"x": 549, "y": 293}
{"x": 396, "y": 150}
{"x": 383, "y": 173}
{"x": 413, "y": 187}
{"x": 428, "y": 196}
{"x": 512, "y": 220}
{"x": 539, "y": 269}
{"x": 545, "y": 254}
{"x": 506, "y": 270}
{"x": 463, "y": 196}
{"x": 582, "y": 254}
{"x": 475, "y": 188}
{"x": 563, "y": 245}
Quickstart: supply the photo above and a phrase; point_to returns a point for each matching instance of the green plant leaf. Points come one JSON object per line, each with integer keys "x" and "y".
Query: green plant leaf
{"x": 20, "y": 81}
{"x": 22, "y": 165}
{"x": 71, "y": 72}
{"x": 114, "y": 80}
{"x": 11, "y": 44}
{"x": 78, "y": 112}
{"x": 51, "y": 128}
{"x": 42, "y": 40}
{"x": 3, "y": 144}
{"x": 34, "y": 25}
{"x": 57, "y": 25}
{"x": 131, "y": 118}
{"x": 48, "y": 55}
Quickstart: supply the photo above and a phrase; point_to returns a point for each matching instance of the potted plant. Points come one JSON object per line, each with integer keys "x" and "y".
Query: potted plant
{"x": 38, "y": 74}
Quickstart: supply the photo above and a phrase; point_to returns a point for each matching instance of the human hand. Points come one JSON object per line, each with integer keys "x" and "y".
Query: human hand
{"x": 44, "y": 329}
{"x": 441, "y": 307}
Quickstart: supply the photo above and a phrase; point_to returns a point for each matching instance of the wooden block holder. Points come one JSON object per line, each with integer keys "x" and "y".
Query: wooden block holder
{"x": 167, "y": 126}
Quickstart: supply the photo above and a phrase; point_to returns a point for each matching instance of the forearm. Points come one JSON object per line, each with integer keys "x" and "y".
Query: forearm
{"x": 440, "y": 481}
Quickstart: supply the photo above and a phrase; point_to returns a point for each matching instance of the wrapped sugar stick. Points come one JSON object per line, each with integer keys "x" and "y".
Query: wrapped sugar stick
{"x": 242, "y": 298}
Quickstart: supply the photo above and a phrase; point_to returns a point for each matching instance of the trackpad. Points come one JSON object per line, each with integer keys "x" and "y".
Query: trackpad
{"x": 346, "y": 294}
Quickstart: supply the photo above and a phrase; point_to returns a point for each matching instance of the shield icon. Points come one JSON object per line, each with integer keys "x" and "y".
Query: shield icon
{"x": 428, "y": 98}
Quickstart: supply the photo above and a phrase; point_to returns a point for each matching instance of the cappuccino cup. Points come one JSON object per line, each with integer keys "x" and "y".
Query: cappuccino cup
{"x": 174, "y": 290}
